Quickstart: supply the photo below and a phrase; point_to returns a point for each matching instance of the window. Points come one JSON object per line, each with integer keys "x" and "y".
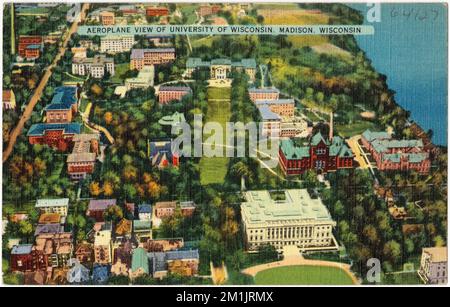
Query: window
{"x": 321, "y": 151}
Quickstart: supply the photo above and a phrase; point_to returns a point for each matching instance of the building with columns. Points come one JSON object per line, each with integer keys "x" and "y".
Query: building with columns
{"x": 289, "y": 217}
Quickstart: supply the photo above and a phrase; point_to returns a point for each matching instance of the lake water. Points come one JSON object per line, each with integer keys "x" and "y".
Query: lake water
{"x": 410, "y": 47}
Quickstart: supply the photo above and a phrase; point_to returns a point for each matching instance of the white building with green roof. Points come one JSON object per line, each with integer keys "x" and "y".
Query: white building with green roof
{"x": 289, "y": 217}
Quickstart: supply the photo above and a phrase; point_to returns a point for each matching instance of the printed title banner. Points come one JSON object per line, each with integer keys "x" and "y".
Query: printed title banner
{"x": 228, "y": 30}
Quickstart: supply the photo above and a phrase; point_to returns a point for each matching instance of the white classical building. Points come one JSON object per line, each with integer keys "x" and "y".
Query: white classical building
{"x": 290, "y": 218}
{"x": 96, "y": 66}
{"x": 116, "y": 44}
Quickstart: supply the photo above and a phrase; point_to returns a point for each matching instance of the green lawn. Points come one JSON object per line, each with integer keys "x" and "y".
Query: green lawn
{"x": 213, "y": 170}
{"x": 189, "y": 11}
{"x": 303, "y": 275}
{"x": 119, "y": 71}
{"x": 355, "y": 128}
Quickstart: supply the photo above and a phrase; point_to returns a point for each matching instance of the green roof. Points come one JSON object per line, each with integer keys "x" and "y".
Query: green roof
{"x": 317, "y": 138}
{"x": 139, "y": 260}
{"x": 371, "y": 135}
{"x": 298, "y": 204}
{"x": 290, "y": 151}
{"x": 139, "y": 225}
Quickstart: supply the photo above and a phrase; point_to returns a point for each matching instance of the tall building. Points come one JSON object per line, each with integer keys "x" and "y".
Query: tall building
{"x": 95, "y": 67}
{"x": 391, "y": 154}
{"x": 318, "y": 153}
{"x": 84, "y": 154}
{"x": 154, "y": 56}
{"x": 290, "y": 217}
{"x": 116, "y": 43}
{"x": 433, "y": 265}
{"x": 102, "y": 247}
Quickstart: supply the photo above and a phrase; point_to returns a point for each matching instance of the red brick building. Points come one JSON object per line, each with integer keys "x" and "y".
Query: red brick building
{"x": 263, "y": 94}
{"x": 154, "y": 56}
{"x": 25, "y": 259}
{"x": 84, "y": 154}
{"x": 169, "y": 93}
{"x": 398, "y": 155}
{"x": 165, "y": 208}
{"x": 319, "y": 153}
{"x": 206, "y": 10}
{"x": 157, "y": 11}
{"x": 30, "y": 46}
{"x": 57, "y": 136}
{"x": 97, "y": 207}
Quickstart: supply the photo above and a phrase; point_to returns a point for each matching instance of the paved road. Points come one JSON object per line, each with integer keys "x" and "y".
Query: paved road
{"x": 38, "y": 92}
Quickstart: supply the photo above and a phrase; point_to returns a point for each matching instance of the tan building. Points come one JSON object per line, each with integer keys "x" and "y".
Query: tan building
{"x": 141, "y": 58}
{"x": 116, "y": 44}
{"x": 290, "y": 217}
{"x": 107, "y": 18}
{"x": 102, "y": 247}
{"x": 9, "y": 100}
{"x": 433, "y": 265}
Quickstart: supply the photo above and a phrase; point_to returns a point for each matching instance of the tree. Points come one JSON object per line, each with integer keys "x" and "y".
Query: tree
{"x": 113, "y": 213}
{"x": 339, "y": 209}
{"x": 94, "y": 188}
{"x": 392, "y": 251}
{"x": 25, "y": 229}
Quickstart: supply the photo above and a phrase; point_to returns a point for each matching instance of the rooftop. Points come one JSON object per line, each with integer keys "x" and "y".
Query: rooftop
{"x": 103, "y": 237}
{"x": 263, "y": 90}
{"x": 139, "y": 53}
{"x": 101, "y": 204}
{"x": 55, "y": 202}
{"x": 49, "y": 218}
{"x": 275, "y": 101}
{"x": 298, "y": 204}
{"x": 41, "y": 128}
{"x": 267, "y": 113}
{"x": 175, "y": 88}
{"x": 197, "y": 62}
{"x": 438, "y": 254}
{"x": 144, "y": 208}
{"x": 48, "y": 229}
{"x": 139, "y": 260}
{"x": 22, "y": 249}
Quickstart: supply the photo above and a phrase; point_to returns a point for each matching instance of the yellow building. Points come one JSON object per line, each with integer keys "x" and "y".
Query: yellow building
{"x": 102, "y": 247}
{"x": 57, "y": 205}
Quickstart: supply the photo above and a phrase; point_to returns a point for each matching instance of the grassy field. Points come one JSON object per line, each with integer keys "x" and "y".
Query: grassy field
{"x": 355, "y": 128}
{"x": 189, "y": 11}
{"x": 213, "y": 170}
{"x": 120, "y": 70}
{"x": 303, "y": 275}
{"x": 283, "y": 16}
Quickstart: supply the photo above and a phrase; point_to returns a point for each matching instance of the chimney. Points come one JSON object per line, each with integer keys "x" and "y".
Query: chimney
{"x": 331, "y": 126}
